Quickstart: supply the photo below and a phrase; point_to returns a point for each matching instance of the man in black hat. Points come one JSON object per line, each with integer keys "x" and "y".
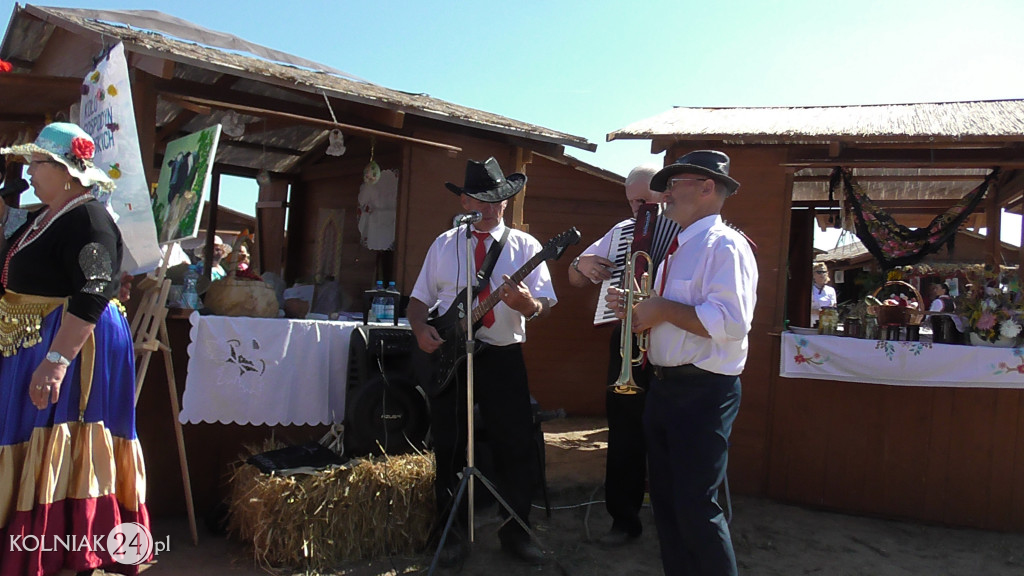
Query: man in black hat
{"x": 500, "y": 383}
{"x": 699, "y": 320}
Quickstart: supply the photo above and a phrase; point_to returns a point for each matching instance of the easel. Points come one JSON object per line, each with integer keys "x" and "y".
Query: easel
{"x": 149, "y": 332}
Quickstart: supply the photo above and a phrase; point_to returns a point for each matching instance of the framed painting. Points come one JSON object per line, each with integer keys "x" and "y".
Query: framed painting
{"x": 184, "y": 184}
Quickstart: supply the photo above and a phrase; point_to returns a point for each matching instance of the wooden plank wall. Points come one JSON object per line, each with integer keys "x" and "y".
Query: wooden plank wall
{"x": 566, "y": 355}
{"x": 945, "y": 455}
{"x": 335, "y": 185}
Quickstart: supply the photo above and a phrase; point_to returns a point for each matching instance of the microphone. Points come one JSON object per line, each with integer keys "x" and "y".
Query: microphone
{"x": 14, "y": 187}
{"x": 467, "y": 218}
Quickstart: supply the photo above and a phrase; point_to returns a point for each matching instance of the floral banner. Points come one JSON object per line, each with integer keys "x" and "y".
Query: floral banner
{"x": 900, "y": 363}
{"x": 108, "y": 115}
{"x": 893, "y": 244}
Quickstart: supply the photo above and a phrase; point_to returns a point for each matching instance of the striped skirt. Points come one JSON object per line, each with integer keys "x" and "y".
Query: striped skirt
{"x": 73, "y": 471}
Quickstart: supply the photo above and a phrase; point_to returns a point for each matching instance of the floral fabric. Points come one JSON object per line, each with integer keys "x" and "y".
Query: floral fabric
{"x": 893, "y": 244}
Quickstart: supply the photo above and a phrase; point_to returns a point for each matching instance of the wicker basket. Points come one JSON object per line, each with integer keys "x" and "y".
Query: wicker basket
{"x": 901, "y": 315}
{"x": 234, "y": 297}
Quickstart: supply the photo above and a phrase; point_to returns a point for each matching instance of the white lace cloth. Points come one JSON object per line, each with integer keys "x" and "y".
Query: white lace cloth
{"x": 900, "y": 363}
{"x": 266, "y": 371}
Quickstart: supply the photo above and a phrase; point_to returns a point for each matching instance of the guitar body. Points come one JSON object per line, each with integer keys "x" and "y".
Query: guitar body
{"x": 447, "y": 360}
{"x": 451, "y": 326}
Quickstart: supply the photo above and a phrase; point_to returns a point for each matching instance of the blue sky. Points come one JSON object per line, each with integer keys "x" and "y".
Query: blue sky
{"x": 591, "y": 67}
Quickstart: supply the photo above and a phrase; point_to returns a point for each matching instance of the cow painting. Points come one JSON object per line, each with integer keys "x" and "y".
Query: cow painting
{"x": 180, "y": 196}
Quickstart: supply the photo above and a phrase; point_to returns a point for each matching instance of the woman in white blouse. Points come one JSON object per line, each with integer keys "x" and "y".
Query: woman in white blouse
{"x": 822, "y": 295}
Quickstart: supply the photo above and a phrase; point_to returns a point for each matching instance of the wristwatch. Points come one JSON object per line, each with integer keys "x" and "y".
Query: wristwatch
{"x": 576, "y": 264}
{"x": 56, "y": 358}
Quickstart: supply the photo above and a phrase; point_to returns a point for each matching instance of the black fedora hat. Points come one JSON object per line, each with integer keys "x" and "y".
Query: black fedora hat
{"x": 486, "y": 183}
{"x": 711, "y": 163}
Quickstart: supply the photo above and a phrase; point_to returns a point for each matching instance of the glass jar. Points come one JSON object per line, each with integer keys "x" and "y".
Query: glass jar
{"x": 828, "y": 321}
{"x": 871, "y": 327}
{"x": 852, "y": 328}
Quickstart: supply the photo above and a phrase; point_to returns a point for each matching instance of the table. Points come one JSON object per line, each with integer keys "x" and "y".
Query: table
{"x": 266, "y": 370}
{"x": 900, "y": 363}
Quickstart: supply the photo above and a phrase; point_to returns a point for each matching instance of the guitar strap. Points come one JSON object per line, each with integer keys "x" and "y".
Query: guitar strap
{"x": 483, "y": 275}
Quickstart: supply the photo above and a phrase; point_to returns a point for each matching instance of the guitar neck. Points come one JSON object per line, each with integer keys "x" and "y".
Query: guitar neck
{"x": 492, "y": 300}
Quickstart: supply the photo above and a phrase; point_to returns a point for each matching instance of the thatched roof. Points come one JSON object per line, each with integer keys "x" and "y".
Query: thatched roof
{"x": 895, "y": 123}
{"x": 211, "y": 73}
{"x": 915, "y": 159}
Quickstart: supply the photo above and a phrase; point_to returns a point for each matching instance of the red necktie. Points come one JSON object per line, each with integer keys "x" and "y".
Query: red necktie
{"x": 664, "y": 269}
{"x": 485, "y": 290}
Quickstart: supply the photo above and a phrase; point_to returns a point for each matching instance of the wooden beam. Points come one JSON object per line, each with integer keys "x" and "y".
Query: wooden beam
{"x": 318, "y": 122}
{"x": 1006, "y": 158}
{"x": 918, "y": 205}
{"x": 892, "y": 178}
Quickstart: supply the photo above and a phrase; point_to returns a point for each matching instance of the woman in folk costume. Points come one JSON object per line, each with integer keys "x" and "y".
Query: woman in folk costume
{"x": 71, "y": 468}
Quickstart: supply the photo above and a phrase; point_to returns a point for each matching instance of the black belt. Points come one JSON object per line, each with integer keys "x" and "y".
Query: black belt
{"x": 677, "y": 372}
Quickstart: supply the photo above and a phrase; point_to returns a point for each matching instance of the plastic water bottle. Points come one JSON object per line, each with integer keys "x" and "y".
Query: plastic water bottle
{"x": 389, "y": 303}
{"x": 377, "y": 305}
{"x": 189, "y": 296}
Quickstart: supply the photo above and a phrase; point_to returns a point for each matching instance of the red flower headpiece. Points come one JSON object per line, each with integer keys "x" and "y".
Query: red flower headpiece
{"x": 82, "y": 148}
{"x": 5, "y": 66}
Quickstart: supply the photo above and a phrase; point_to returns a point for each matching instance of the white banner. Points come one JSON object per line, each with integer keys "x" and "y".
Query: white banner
{"x": 900, "y": 363}
{"x": 108, "y": 115}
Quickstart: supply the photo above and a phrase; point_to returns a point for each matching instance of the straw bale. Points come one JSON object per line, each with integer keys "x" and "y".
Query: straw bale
{"x": 366, "y": 509}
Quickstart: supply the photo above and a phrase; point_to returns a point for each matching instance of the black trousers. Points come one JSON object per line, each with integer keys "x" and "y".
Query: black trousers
{"x": 501, "y": 392}
{"x": 626, "y": 466}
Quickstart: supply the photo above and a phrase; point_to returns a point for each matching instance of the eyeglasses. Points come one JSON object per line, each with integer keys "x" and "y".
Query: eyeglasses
{"x": 672, "y": 181}
{"x": 820, "y": 272}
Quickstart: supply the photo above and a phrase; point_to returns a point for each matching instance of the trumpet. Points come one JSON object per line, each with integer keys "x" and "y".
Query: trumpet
{"x": 625, "y": 383}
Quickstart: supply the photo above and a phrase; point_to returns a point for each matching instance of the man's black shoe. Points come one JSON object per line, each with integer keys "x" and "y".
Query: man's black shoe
{"x": 616, "y": 537}
{"x": 524, "y": 550}
{"x": 453, "y": 553}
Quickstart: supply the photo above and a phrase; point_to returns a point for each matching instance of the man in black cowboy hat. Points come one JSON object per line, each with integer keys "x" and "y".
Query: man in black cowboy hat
{"x": 501, "y": 390}
{"x": 699, "y": 318}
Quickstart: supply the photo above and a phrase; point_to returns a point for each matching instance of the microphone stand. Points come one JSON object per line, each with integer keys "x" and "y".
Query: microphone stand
{"x": 471, "y": 471}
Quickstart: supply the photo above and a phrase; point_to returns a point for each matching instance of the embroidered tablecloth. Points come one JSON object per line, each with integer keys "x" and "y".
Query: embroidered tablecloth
{"x": 266, "y": 370}
{"x": 900, "y": 363}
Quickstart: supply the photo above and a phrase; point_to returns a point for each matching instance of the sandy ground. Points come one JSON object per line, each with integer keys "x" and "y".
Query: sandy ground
{"x": 770, "y": 538}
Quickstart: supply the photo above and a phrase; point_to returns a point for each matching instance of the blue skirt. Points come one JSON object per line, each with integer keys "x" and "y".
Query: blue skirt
{"x": 68, "y": 474}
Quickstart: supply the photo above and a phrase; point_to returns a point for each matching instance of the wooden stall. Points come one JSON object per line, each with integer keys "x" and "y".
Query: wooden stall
{"x": 288, "y": 108}
{"x": 950, "y": 455}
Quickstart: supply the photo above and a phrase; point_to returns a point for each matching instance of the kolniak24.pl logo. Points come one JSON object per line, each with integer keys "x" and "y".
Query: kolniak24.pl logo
{"x": 128, "y": 543}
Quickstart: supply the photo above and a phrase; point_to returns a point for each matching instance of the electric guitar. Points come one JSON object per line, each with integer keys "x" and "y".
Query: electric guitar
{"x": 451, "y": 326}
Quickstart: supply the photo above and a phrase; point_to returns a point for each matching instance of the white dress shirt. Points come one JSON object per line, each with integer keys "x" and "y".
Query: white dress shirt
{"x": 443, "y": 276}
{"x": 714, "y": 271}
{"x": 824, "y": 297}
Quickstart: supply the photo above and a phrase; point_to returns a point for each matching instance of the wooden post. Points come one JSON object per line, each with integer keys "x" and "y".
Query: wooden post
{"x": 523, "y": 157}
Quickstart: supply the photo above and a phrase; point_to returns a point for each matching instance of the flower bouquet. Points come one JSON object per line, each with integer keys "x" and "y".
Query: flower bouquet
{"x": 993, "y": 309}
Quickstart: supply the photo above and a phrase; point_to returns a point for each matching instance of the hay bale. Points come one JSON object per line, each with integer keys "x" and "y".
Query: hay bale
{"x": 368, "y": 509}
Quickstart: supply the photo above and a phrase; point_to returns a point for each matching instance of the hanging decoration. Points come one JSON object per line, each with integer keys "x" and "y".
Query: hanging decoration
{"x": 232, "y": 124}
{"x": 337, "y": 143}
{"x": 893, "y": 244}
{"x": 378, "y": 205}
{"x": 372, "y": 171}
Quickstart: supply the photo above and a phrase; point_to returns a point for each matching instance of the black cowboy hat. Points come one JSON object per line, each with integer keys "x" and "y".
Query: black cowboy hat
{"x": 486, "y": 183}
{"x": 710, "y": 163}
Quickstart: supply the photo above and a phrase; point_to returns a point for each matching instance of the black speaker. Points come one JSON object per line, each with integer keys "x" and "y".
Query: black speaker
{"x": 385, "y": 409}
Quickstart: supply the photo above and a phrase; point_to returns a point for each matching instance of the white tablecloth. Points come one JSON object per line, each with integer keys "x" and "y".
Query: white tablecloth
{"x": 900, "y": 363}
{"x": 266, "y": 370}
